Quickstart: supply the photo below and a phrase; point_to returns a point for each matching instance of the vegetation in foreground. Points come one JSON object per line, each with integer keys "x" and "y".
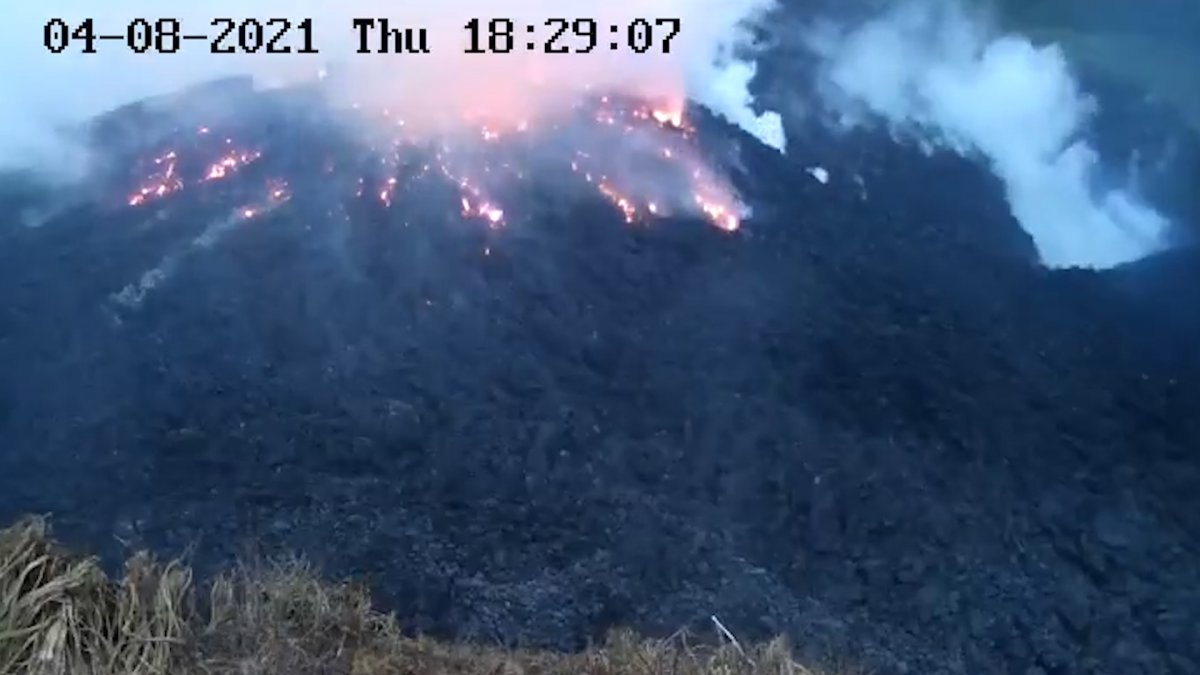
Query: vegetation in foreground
{"x": 60, "y": 613}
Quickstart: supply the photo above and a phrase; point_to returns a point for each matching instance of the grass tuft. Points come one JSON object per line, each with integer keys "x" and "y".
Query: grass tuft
{"x": 60, "y": 613}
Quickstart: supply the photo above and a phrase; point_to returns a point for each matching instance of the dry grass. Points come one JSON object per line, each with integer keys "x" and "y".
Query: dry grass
{"x": 60, "y": 613}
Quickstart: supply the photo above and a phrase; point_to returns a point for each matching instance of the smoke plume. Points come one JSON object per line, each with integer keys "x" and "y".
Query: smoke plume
{"x": 935, "y": 69}
{"x": 45, "y": 92}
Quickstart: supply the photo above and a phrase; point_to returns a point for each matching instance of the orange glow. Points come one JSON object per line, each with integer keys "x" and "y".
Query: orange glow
{"x": 639, "y": 158}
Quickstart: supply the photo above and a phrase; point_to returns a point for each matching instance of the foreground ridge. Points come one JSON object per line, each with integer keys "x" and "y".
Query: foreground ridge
{"x": 60, "y": 613}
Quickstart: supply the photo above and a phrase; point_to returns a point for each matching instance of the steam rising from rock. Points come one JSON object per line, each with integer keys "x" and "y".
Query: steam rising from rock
{"x": 932, "y": 68}
{"x": 43, "y": 92}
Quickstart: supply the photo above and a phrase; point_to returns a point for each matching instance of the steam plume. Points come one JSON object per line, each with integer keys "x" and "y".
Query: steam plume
{"x": 933, "y": 68}
{"x": 43, "y": 92}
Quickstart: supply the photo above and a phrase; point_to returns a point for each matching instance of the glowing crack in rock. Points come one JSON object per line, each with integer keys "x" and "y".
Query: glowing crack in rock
{"x": 664, "y": 134}
{"x": 229, "y": 163}
{"x": 163, "y": 181}
{"x": 166, "y": 179}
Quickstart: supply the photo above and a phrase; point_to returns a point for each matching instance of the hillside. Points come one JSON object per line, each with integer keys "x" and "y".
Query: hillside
{"x": 864, "y": 419}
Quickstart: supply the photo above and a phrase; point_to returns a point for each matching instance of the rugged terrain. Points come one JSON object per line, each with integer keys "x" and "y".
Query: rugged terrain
{"x": 866, "y": 420}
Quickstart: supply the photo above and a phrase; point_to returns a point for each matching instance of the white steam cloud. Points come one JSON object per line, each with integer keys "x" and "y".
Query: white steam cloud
{"x": 931, "y": 67}
{"x": 42, "y": 92}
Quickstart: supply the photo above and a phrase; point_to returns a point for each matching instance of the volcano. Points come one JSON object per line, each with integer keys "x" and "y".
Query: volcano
{"x": 533, "y": 395}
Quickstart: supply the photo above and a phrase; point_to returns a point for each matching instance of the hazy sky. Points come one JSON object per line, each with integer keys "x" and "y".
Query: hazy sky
{"x": 41, "y": 89}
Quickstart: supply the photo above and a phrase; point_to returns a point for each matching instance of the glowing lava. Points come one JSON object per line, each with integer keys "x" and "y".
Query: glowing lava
{"x": 675, "y": 161}
{"x": 229, "y": 163}
{"x": 161, "y": 182}
{"x": 166, "y": 177}
{"x": 638, "y": 157}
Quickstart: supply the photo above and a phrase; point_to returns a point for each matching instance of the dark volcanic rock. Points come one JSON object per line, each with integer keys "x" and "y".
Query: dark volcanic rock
{"x": 867, "y": 420}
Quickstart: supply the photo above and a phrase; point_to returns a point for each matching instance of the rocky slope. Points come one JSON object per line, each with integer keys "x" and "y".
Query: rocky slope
{"x": 866, "y": 420}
